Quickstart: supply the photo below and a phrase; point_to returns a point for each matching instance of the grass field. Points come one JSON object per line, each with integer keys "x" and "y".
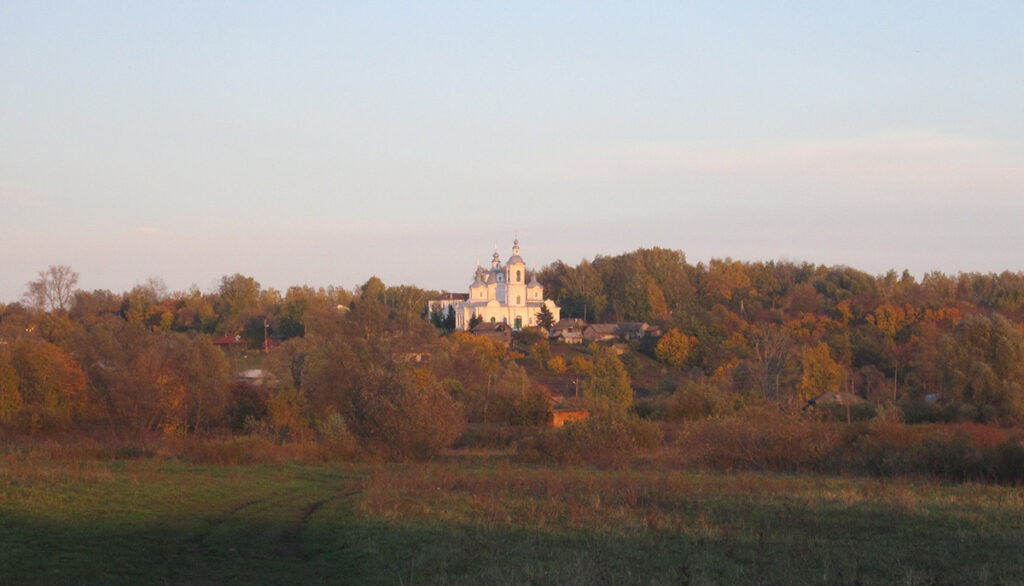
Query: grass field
{"x": 155, "y": 521}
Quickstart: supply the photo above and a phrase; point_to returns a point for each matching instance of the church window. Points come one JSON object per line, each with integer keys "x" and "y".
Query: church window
{"x": 492, "y": 320}
{"x": 519, "y": 276}
{"x": 519, "y": 300}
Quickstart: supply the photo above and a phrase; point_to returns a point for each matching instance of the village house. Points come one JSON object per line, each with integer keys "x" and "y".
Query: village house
{"x": 624, "y": 331}
{"x": 499, "y": 332}
{"x": 569, "y": 330}
{"x": 601, "y": 332}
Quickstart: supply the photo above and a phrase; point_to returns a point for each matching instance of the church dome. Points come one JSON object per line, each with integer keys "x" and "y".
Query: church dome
{"x": 515, "y": 258}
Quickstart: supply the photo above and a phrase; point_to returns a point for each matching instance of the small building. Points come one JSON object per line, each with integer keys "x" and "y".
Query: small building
{"x": 569, "y": 330}
{"x": 256, "y": 377}
{"x": 417, "y": 357}
{"x": 499, "y": 332}
{"x": 231, "y": 343}
{"x": 445, "y": 303}
{"x": 559, "y": 417}
{"x": 601, "y": 332}
{"x": 624, "y": 331}
{"x": 568, "y": 337}
{"x": 632, "y": 330}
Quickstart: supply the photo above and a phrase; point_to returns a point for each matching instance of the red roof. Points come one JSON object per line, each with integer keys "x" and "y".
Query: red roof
{"x": 228, "y": 340}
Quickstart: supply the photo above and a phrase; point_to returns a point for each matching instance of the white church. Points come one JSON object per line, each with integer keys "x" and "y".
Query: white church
{"x": 499, "y": 295}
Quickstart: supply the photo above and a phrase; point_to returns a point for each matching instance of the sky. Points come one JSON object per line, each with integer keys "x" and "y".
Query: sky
{"x": 324, "y": 143}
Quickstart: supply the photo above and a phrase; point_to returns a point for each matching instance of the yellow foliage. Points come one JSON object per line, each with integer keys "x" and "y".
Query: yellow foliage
{"x": 674, "y": 347}
{"x": 581, "y": 365}
{"x": 557, "y": 365}
{"x": 821, "y": 374}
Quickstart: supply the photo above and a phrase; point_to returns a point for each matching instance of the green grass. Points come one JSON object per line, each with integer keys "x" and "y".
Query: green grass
{"x": 163, "y": 521}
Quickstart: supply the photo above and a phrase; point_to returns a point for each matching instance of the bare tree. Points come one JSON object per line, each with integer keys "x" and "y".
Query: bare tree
{"x": 772, "y": 346}
{"x": 53, "y": 290}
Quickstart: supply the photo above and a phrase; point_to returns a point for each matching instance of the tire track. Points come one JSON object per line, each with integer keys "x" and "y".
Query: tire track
{"x": 290, "y": 545}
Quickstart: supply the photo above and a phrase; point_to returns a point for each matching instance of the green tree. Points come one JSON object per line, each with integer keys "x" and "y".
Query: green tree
{"x": 984, "y": 360}
{"x": 608, "y": 382}
{"x": 545, "y": 318}
{"x": 541, "y": 351}
{"x": 237, "y": 299}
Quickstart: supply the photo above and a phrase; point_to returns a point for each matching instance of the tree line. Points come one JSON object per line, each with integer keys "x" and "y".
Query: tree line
{"x": 367, "y": 367}
{"x": 940, "y": 348}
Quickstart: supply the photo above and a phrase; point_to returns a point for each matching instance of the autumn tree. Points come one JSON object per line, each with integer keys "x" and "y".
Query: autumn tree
{"x": 237, "y": 298}
{"x": 821, "y": 374}
{"x": 723, "y": 280}
{"x": 10, "y": 395}
{"x": 472, "y": 365}
{"x": 147, "y": 381}
{"x": 89, "y": 306}
{"x": 674, "y": 347}
{"x": 50, "y": 386}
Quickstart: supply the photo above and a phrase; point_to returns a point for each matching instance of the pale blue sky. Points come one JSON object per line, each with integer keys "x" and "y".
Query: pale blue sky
{"x": 321, "y": 143}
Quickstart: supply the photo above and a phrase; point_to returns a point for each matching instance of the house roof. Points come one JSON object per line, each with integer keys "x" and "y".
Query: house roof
{"x": 452, "y": 297}
{"x": 483, "y": 327}
{"x": 228, "y": 340}
{"x": 569, "y": 322}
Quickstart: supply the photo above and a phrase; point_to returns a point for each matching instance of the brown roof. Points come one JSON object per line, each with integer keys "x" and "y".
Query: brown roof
{"x": 229, "y": 340}
{"x": 452, "y": 297}
{"x": 569, "y": 323}
{"x": 489, "y": 327}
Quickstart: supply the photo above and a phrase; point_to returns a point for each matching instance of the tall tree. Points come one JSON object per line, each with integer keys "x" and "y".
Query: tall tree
{"x": 608, "y": 382}
{"x": 238, "y": 298}
{"x": 544, "y": 318}
{"x": 821, "y": 374}
{"x": 53, "y": 290}
{"x": 984, "y": 361}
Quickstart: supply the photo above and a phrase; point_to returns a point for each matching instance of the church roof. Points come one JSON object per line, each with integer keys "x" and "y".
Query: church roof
{"x": 515, "y": 258}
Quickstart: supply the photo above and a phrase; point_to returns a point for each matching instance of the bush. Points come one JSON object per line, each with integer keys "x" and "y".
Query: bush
{"x": 1007, "y": 462}
{"x": 604, "y": 439}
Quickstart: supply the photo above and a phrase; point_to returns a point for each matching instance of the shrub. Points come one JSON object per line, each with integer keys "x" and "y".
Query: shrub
{"x": 604, "y": 439}
{"x": 1007, "y": 462}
